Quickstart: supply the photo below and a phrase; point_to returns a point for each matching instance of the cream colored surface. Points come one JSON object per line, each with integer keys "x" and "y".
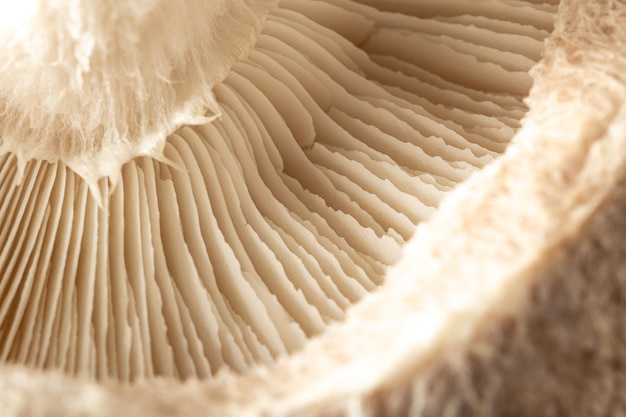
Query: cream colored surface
{"x": 267, "y": 224}
{"x": 507, "y": 302}
{"x": 96, "y": 83}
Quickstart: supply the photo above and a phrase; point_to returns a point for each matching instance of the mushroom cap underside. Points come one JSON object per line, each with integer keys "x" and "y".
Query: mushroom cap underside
{"x": 252, "y": 233}
{"x": 430, "y": 336}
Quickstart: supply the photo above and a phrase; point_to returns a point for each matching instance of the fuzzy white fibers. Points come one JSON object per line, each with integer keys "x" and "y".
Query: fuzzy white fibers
{"x": 95, "y": 83}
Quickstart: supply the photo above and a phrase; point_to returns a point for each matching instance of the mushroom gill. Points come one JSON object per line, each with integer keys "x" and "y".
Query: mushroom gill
{"x": 341, "y": 130}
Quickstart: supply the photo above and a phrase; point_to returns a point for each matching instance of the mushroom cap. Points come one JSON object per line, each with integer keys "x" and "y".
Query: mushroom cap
{"x": 499, "y": 290}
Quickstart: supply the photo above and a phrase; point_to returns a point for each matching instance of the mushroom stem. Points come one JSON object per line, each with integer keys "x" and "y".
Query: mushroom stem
{"x": 95, "y": 84}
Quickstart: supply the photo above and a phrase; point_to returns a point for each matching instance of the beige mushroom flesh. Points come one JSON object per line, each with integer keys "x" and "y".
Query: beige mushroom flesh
{"x": 232, "y": 207}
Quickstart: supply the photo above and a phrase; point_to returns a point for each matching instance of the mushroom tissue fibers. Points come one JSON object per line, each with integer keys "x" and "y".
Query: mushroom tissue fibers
{"x": 95, "y": 83}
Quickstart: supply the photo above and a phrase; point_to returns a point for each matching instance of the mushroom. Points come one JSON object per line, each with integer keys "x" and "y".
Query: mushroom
{"x": 252, "y": 233}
